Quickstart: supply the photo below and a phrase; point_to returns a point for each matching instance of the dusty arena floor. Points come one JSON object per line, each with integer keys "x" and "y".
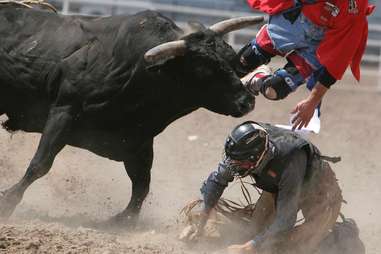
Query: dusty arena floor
{"x": 82, "y": 185}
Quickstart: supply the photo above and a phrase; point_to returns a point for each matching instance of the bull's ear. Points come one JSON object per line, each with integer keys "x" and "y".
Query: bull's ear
{"x": 196, "y": 26}
{"x": 193, "y": 27}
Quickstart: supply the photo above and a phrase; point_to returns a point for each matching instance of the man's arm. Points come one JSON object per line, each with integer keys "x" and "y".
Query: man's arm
{"x": 211, "y": 190}
{"x": 288, "y": 197}
{"x": 215, "y": 185}
{"x": 305, "y": 109}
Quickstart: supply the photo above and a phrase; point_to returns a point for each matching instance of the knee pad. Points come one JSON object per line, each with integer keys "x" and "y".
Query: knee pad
{"x": 281, "y": 83}
{"x": 252, "y": 56}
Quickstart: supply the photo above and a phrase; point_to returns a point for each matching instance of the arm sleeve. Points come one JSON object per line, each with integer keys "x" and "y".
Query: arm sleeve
{"x": 215, "y": 185}
{"x": 290, "y": 188}
{"x": 326, "y": 79}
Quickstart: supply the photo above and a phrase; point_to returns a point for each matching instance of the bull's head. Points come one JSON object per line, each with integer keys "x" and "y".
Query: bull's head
{"x": 208, "y": 64}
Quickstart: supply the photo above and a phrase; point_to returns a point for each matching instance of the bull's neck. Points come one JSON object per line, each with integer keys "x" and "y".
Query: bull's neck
{"x": 167, "y": 100}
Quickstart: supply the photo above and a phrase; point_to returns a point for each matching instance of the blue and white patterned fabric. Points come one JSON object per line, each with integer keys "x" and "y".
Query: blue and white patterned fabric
{"x": 302, "y": 36}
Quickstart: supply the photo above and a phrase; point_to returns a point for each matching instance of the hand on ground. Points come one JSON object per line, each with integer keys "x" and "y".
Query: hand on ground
{"x": 247, "y": 248}
{"x": 194, "y": 230}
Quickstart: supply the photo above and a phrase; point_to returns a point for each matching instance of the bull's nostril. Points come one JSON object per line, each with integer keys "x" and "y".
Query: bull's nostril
{"x": 246, "y": 107}
{"x": 245, "y": 104}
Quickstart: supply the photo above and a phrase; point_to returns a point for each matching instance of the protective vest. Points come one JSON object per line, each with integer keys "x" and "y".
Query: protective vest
{"x": 286, "y": 142}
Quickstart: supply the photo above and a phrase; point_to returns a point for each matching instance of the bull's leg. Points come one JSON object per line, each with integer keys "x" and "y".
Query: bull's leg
{"x": 52, "y": 141}
{"x": 138, "y": 167}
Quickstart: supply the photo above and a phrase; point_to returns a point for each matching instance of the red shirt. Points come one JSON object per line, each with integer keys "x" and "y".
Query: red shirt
{"x": 345, "y": 39}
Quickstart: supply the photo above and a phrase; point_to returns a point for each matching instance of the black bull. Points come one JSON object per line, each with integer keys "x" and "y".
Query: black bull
{"x": 110, "y": 85}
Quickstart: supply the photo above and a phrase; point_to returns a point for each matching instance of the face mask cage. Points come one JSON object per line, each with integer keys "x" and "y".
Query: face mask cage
{"x": 243, "y": 168}
{"x": 232, "y": 165}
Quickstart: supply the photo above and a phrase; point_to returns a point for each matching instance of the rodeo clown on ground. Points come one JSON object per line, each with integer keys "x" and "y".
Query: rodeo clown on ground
{"x": 293, "y": 176}
{"x": 319, "y": 39}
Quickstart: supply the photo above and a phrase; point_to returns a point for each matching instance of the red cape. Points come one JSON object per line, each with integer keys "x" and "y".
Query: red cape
{"x": 345, "y": 40}
{"x": 271, "y": 6}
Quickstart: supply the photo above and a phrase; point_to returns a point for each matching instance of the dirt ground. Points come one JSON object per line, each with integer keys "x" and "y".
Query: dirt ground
{"x": 82, "y": 185}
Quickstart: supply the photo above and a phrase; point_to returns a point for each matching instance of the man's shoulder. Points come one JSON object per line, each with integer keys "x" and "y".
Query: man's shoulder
{"x": 352, "y": 10}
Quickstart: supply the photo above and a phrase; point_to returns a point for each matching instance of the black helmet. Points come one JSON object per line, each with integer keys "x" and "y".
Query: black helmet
{"x": 247, "y": 141}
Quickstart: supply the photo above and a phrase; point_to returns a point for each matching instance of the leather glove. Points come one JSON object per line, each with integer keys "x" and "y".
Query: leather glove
{"x": 195, "y": 229}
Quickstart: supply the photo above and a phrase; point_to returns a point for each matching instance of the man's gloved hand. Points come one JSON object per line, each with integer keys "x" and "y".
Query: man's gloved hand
{"x": 195, "y": 229}
{"x": 249, "y": 82}
{"x": 247, "y": 248}
{"x": 253, "y": 81}
{"x": 189, "y": 234}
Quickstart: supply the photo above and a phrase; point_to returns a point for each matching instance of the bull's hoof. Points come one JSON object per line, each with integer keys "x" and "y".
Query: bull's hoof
{"x": 124, "y": 219}
{"x": 8, "y": 203}
{"x": 115, "y": 223}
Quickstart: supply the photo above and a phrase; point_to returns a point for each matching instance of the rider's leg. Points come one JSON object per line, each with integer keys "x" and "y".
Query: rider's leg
{"x": 321, "y": 209}
{"x": 257, "y": 52}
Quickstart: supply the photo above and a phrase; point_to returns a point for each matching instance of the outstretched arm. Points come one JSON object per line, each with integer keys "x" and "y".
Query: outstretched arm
{"x": 215, "y": 185}
{"x": 305, "y": 109}
{"x": 211, "y": 190}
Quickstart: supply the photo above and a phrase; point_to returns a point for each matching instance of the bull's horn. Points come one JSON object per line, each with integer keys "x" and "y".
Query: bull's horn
{"x": 168, "y": 49}
{"x": 233, "y": 24}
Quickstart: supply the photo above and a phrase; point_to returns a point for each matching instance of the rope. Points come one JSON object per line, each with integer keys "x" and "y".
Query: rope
{"x": 241, "y": 211}
{"x": 29, "y": 4}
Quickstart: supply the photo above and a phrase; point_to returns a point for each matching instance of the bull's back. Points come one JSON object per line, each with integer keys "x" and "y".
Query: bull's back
{"x": 100, "y": 54}
{"x": 32, "y": 42}
{"x": 29, "y": 32}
